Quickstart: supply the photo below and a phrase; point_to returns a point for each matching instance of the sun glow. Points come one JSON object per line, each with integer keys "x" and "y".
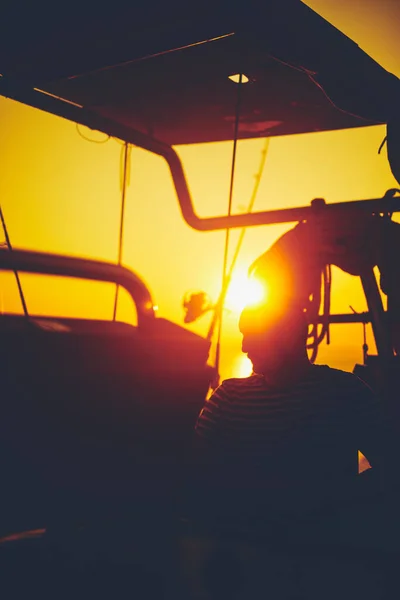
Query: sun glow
{"x": 244, "y": 291}
{"x": 243, "y": 367}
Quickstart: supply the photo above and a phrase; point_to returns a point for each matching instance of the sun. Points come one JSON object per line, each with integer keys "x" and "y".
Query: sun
{"x": 244, "y": 291}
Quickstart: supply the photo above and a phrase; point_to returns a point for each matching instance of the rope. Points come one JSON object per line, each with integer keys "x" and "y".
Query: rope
{"x": 8, "y": 242}
{"x": 124, "y": 185}
{"x": 250, "y": 207}
{"x": 382, "y": 144}
{"x": 251, "y": 204}
{"x": 225, "y": 275}
{"x": 87, "y": 139}
{"x": 314, "y": 310}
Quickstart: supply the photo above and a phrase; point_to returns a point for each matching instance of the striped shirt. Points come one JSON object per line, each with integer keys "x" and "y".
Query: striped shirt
{"x": 308, "y": 434}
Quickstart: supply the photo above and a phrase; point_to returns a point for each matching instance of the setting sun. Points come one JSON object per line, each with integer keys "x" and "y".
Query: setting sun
{"x": 244, "y": 291}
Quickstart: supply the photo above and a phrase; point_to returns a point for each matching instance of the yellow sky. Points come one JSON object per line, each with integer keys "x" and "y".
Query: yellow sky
{"x": 61, "y": 193}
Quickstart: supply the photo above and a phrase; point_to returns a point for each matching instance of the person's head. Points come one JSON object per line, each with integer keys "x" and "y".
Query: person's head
{"x": 274, "y": 338}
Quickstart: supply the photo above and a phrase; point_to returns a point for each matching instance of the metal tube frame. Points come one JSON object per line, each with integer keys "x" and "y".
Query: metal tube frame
{"x": 378, "y": 315}
{"x": 66, "y": 266}
{"x": 78, "y": 114}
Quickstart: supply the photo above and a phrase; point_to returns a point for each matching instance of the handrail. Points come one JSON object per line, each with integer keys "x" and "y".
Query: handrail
{"x": 82, "y": 268}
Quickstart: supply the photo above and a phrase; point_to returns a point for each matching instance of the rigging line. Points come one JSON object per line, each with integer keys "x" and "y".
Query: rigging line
{"x": 91, "y": 140}
{"x": 225, "y": 276}
{"x": 17, "y": 278}
{"x": 251, "y": 205}
{"x": 125, "y": 177}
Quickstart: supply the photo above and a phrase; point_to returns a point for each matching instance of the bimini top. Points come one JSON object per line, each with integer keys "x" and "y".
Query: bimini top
{"x": 163, "y": 69}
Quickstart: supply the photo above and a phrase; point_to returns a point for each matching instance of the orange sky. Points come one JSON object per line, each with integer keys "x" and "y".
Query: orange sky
{"x": 61, "y": 193}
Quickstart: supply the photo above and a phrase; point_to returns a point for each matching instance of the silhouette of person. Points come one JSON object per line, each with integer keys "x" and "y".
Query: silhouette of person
{"x": 288, "y": 436}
